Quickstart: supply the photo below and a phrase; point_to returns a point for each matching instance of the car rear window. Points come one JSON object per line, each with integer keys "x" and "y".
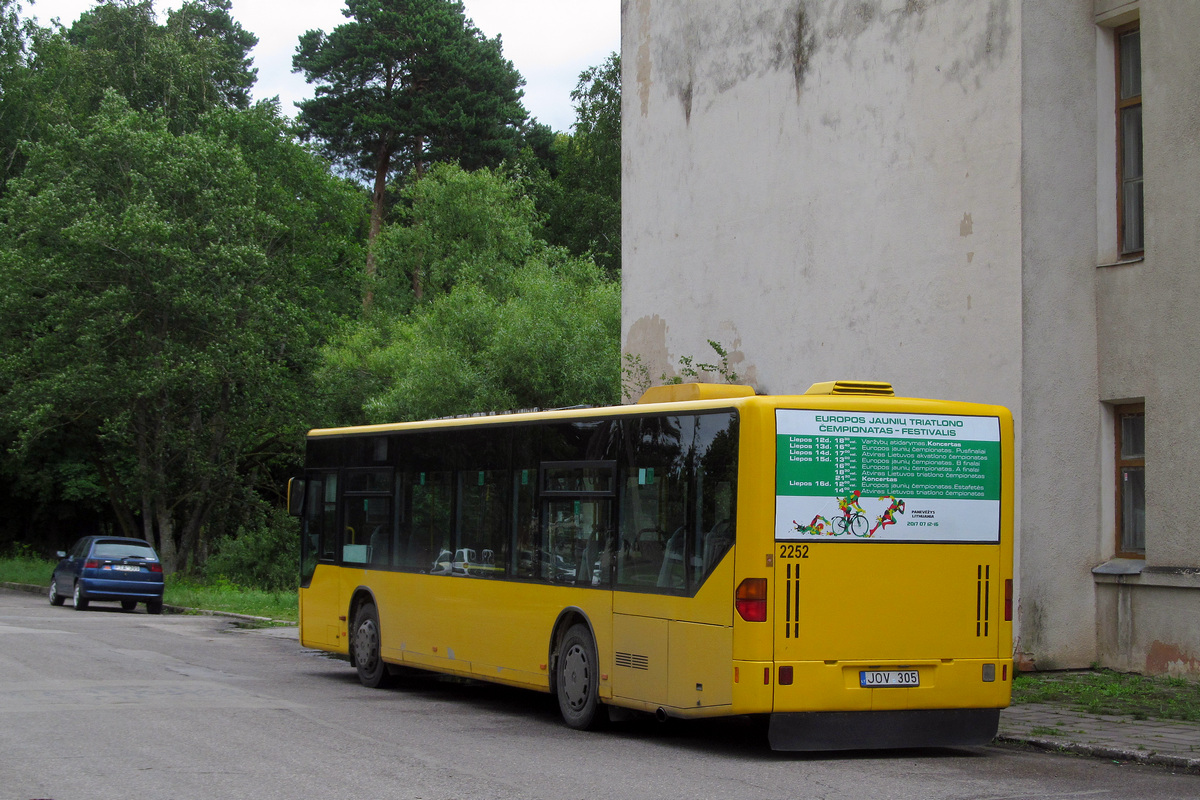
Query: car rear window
{"x": 124, "y": 550}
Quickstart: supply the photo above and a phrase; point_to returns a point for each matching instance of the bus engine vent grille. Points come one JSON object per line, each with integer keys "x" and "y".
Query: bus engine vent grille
{"x": 983, "y": 587}
{"x": 860, "y": 388}
{"x": 632, "y": 660}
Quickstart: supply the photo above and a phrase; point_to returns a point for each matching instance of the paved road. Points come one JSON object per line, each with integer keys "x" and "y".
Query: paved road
{"x": 107, "y": 704}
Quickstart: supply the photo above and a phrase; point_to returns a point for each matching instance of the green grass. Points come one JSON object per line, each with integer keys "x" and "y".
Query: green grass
{"x": 179, "y": 591}
{"x": 1103, "y": 691}
{"x": 224, "y": 596}
{"x": 26, "y": 569}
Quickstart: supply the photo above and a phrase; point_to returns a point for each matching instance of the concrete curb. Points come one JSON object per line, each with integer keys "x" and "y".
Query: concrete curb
{"x": 35, "y": 589}
{"x": 1149, "y": 757}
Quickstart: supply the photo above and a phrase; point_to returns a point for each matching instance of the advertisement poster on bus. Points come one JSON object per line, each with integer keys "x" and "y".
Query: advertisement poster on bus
{"x": 867, "y": 476}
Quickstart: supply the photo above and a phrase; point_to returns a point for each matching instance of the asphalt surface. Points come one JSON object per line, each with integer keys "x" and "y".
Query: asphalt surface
{"x": 110, "y": 704}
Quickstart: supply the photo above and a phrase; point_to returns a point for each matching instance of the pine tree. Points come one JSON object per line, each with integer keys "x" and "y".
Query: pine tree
{"x": 403, "y": 84}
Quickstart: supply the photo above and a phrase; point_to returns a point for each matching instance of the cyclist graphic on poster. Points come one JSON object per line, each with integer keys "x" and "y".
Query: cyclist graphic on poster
{"x": 854, "y": 517}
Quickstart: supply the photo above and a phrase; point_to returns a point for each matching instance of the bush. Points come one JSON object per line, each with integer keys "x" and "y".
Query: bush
{"x": 265, "y": 555}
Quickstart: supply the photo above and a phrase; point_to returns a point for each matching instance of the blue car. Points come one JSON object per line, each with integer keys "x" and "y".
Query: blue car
{"x": 109, "y": 568}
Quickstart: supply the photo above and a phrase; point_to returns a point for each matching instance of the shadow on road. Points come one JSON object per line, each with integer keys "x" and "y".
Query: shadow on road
{"x": 741, "y": 737}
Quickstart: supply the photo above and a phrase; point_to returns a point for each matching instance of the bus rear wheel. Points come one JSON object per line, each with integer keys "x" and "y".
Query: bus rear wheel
{"x": 372, "y": 672}
{"x": 577, "y": 680}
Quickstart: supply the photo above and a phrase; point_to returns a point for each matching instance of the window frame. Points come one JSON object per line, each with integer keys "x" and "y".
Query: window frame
{"x": 1120, "y": 106}
{"x": 1120, "y": 413}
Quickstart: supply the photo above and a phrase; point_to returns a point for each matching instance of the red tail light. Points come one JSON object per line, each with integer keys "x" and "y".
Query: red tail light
{"x": 751, "y": 599}
{"x": 155, "y": 567}
{"x": 91, "y": 563}
{"x": 1008, "y": 600}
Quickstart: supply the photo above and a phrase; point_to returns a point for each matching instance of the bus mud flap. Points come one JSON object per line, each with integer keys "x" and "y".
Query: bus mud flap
{"x": 873, "y": 730}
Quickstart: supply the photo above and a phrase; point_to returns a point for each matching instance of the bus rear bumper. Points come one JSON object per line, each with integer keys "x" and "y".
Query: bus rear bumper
{"x": 876, "y": 730}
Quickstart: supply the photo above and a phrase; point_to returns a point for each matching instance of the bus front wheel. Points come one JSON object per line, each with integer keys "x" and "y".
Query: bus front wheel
{"x": 372, "y": 672}
{"x": 577, "y": 680}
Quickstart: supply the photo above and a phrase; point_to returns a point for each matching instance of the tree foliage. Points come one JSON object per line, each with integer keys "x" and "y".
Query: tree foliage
{"x": 406, "y": 83}
{"x": 15, "y": 91}
{"x": 152, "y": 305}
{"x": 582, "y": 204}
{"x": 174, "y": 264}
{"x": 198, "y": 60}
{"x": 508, "y": 322}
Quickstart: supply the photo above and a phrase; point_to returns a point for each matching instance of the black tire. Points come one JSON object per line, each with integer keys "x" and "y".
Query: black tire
{"x": 56, "y": 599}
{"x": 577, "y": 680}
{"x": 858, "y": 525}
{"x": 129, "y": 605}
{"x": 364, "y": 641}
{"x": 81, "y": 602}
{"x": 154, "y": 606}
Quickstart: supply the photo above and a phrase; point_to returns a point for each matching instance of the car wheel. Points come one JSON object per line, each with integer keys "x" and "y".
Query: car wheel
{"x": 372, "y": 672}
{"x": 129, "y": 605}
{"x": 154, "y": 606}
{"x": 577, "y": 680}
{"x": 56, "y": 599}
{"x": 81, "y": 602}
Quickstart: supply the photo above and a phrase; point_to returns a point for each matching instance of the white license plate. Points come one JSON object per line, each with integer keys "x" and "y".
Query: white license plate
{"x": 126, "y": 568}
{"x": 888, "y": 678}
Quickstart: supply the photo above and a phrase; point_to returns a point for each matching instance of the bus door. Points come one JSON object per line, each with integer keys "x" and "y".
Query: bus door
{"x": 319, "y": 625}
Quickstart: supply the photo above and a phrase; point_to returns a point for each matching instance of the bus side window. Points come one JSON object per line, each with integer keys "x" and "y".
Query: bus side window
{"x": 715, "y": 473}
{"x": 677, "y": 497}
{"x": 431, "y": 518}
{"x": 483, "y": 534}
{"x": 525, "y": 523}
{"x": 650, "y": 553}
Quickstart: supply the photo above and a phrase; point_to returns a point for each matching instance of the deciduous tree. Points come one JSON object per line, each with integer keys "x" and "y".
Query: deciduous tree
{"x": 161, "y": 298}
{"x": 582, "y": 205}
{"x": 508, "y": 321}
{"x": 198, "y": 60}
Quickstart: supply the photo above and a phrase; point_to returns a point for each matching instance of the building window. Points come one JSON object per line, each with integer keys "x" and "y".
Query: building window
{"x": 1131, "y": 480}
{"x": 1130, "y": 207}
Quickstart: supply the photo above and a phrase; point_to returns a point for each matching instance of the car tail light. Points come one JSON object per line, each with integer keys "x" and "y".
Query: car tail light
{"x": 154, "y": 567}
{"x": 91, "y": 563}
{"x": 751, "y": 599}
{"x": 1008, "y": 600}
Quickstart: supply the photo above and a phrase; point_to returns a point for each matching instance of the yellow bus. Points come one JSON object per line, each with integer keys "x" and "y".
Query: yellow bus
{"x": 838, "y": 561}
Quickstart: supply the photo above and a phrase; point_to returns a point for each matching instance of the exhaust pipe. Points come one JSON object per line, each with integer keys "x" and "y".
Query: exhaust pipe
{"x": 661, "y": 714}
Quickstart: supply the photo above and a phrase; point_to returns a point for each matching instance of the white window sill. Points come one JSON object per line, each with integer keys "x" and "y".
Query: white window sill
{"x": 1134, "y": 572}
{"x": 1123, "y": 262}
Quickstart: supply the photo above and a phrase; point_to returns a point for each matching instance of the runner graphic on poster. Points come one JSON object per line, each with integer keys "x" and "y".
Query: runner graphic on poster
{"x": 859, "y": 476}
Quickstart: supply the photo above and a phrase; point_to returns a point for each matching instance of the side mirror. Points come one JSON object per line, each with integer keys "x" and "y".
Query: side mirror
{"x": 295, "y": 496}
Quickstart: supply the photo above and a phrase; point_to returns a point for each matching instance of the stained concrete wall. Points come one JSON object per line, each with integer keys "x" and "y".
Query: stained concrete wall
{"x": 922, "y": 191}
{"x": 798, "y": 185}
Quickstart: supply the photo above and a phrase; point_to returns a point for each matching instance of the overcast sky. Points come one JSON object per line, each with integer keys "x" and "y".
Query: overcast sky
{"x": 549, "y": 41}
